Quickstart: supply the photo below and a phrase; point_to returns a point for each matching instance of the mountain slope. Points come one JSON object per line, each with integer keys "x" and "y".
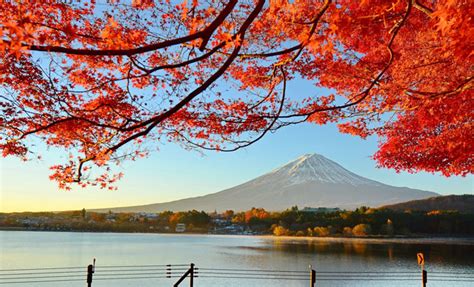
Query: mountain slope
{"x": 311, "y": 180}
{"x": 462, "y": 203}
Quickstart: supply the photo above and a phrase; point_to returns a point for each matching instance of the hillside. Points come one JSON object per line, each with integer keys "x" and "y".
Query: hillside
{"x": 462, "y": 203}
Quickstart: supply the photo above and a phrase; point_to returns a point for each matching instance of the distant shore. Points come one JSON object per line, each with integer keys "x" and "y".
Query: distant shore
{"x": 296, "y": 239}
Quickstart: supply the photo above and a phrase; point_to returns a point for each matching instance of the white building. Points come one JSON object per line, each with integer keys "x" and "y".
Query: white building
{"x": 180, "y": 227}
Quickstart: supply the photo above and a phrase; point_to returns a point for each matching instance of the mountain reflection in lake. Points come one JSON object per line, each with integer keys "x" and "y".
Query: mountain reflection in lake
{"x": 63, "y": 249}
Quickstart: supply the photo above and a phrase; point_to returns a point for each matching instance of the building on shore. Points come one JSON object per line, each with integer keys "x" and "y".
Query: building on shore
{"x": 320, "y": 209}
{"x": 180, "y": 227}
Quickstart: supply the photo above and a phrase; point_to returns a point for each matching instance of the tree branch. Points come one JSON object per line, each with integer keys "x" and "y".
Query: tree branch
{"x": 204, "y": 34}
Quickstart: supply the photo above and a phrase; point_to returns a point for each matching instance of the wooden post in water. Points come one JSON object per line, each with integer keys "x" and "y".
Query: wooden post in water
{"x": 189, "y": 273}
{"x": 90, "y": 271}
{"x": 424, "y": 275}
{"x": 89, "y": 275}
{"x": 312, "y": 276}
{"x": 191, "y": 278}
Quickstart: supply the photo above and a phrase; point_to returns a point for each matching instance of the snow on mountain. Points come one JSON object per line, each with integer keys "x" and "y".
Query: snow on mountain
{"x": 315, "y": 167}
{"x": 311, "y": 180}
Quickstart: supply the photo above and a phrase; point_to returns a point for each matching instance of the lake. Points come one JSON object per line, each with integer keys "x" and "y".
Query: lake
{"x": 212, "y": 254}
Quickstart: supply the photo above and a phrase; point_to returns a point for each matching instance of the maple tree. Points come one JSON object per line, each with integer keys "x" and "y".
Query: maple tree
{"x": 107, "y": 81}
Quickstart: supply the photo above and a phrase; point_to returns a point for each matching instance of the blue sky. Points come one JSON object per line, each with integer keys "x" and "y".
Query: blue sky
{"x": 174, "y": 173}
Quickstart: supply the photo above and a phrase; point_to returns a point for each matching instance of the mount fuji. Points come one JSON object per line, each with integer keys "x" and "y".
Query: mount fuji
{"x": 311, "y": 180}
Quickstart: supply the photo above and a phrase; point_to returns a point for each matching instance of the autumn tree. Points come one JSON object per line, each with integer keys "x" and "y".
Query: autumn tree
{"x": 321, "y": 231}
{"x": 280, "y": 231}
{"x": 97, "y": 217}
{"x": 362, "y": 230}
{"x": 228, "y": 214}
{"x": 347, "y": 231}
{"x": 239, "y": 218}
{"x": 109, "y": 82}
{"x": 256, "y": 213}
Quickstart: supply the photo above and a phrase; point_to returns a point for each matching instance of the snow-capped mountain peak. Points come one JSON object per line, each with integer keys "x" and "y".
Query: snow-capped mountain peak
{"x": 315, "y": 167}
{"x": 311, "y": 180}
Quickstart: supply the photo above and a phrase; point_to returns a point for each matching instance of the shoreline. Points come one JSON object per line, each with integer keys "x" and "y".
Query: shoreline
{"x": 297, "y": 239}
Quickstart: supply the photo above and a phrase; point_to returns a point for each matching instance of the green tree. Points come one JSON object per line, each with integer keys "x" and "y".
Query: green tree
{"x": 389, "y": 230}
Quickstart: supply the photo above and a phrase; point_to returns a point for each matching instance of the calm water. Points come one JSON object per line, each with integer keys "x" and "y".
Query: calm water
{"x": 64, "y": 249}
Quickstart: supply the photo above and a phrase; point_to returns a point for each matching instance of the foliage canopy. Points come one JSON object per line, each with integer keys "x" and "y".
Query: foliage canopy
{"x": 107, "y": 81}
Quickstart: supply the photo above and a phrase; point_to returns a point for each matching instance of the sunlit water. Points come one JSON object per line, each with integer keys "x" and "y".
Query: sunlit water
{"x": 64, "y": 249}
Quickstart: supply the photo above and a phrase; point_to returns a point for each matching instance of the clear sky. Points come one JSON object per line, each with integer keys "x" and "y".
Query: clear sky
{"x": 174, "y": 173}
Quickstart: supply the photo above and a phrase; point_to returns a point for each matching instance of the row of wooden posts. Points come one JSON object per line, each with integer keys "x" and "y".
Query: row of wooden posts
{"x": 190, "y": 273}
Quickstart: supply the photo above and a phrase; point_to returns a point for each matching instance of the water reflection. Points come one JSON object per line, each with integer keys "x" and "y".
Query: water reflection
{"x": 435, "y": 253}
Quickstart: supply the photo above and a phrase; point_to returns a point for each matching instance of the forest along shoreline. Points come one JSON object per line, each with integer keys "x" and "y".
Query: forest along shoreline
{"x": 322, "y": 224}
